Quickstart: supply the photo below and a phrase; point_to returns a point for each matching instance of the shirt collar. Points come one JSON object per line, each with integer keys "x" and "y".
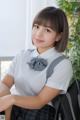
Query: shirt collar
{"x": 45, "y": 54}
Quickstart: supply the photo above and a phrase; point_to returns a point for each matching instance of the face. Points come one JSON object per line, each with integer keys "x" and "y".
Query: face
{"x": 43, "y": 37}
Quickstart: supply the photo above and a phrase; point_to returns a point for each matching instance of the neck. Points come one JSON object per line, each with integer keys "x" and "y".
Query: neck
{"x": 41, "y": 50}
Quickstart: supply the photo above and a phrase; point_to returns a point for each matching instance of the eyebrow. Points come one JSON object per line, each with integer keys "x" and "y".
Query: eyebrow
{"x": 46, "y": 26}
{"x": 43, "y": 25}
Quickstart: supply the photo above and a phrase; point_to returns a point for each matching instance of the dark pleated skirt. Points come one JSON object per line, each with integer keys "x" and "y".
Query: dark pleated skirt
{"x": 45, "y": 113}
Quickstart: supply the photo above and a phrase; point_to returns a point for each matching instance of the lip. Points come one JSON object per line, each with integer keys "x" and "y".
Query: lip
{"x": 38, "y": 40}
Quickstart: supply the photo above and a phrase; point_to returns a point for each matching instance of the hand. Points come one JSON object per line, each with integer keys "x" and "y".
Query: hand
{"x": 6, "y": 102}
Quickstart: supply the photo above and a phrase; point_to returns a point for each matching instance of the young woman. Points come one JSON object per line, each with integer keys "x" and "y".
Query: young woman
{"x": 33, "y": 93}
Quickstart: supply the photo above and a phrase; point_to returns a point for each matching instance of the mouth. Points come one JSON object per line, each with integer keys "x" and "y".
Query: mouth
{"x": 39, "y": 41}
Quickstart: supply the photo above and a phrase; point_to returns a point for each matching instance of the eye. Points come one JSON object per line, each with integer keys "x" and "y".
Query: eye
{"x": 48, "y": 30}
{"x": 36, "y": 26}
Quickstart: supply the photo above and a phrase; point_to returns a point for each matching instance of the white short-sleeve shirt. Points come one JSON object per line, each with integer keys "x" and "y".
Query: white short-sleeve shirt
{"x": 30, "y": 82}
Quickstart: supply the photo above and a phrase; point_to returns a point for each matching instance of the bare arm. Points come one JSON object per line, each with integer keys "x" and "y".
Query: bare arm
{"x": 5, "y": 85}
{"x": 36, "y": 102}
{"x": 31, "y": 102}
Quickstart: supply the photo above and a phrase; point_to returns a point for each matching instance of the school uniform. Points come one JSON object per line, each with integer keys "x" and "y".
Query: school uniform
{"x": 29, "y": 81}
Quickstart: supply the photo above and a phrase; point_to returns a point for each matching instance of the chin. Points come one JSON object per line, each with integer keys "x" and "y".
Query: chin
{"x": 38, "y": 45}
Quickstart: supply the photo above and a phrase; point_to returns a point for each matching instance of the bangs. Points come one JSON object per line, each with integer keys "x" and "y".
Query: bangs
{"x": 47, "y": 21}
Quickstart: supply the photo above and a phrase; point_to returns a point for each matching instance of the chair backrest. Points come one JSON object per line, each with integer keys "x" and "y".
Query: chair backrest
{"x": 67, "y": 105}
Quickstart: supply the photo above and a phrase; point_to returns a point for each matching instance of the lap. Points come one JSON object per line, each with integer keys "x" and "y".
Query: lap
{"x": 45, "y": 113}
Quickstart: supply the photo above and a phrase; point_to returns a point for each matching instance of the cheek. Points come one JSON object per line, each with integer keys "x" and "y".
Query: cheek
{"x": 32, "y": 39}
{"x": 33, "y": 34}
{"x": 51, "y": 40}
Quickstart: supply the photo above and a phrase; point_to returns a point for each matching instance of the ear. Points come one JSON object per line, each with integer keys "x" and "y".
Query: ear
{"x": 58, "y": 37}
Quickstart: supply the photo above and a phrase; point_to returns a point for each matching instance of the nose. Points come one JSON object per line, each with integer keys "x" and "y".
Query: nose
{"x": 39, "y": 32}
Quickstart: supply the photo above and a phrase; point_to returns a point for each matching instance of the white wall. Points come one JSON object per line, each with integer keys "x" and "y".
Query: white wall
{"x": 12, "y": 26}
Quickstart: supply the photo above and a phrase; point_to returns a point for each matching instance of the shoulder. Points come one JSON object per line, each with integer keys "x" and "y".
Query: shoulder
{"x": 22, "y": 55}
{"x": 64, "y": 68}
{"x": 61, "y": 60}
{"x": 24, "y": 52}
{"x": 61, "y": 64}
{"x": 64, "y": 63}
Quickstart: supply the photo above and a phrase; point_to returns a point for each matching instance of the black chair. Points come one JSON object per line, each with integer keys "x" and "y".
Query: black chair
{"x": 67, "y": 105}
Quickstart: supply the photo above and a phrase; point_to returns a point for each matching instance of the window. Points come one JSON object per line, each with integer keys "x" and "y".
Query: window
{"x": 4, "y": 65}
